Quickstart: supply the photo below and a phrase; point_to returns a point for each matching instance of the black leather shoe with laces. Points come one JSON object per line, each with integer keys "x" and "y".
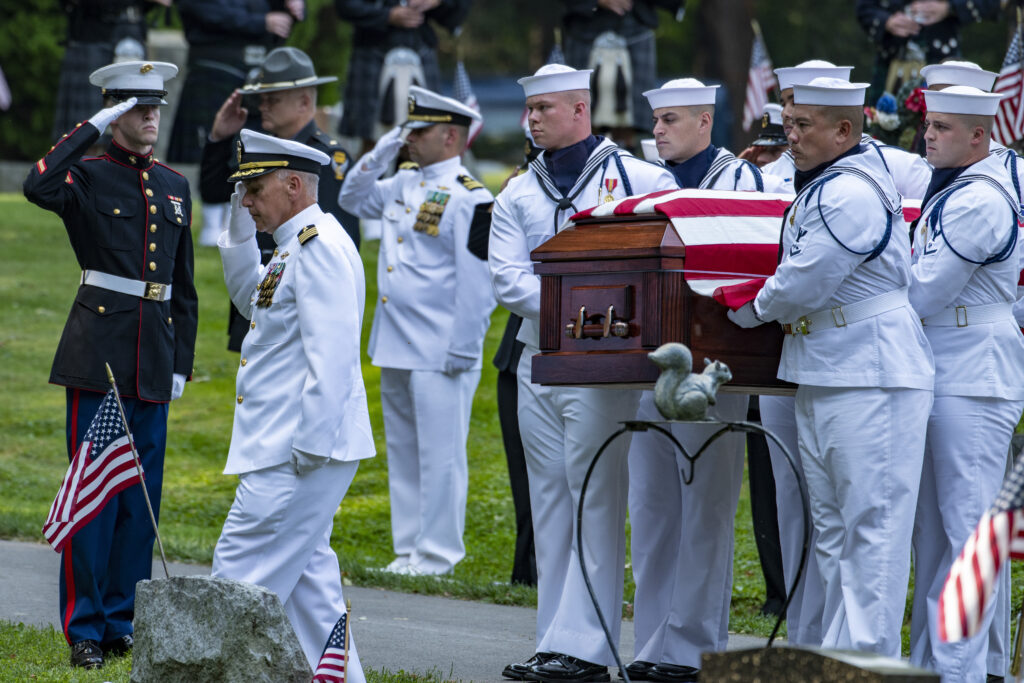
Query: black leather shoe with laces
{"x": 561, "y": 668}
{"x": 87, "y": 654}
{"x": 638, "y": 670}
{"x": 118, "y": 646}
{"x": 517, "y": 670}
{"x": 672, "y": 673}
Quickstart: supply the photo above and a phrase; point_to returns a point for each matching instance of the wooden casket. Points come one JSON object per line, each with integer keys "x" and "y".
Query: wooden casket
{"x": 626, "y": 277}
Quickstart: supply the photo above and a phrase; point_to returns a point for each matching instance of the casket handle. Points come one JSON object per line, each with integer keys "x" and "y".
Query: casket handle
{"x": 608, "y": 321}
{"x": 577, "y": 331}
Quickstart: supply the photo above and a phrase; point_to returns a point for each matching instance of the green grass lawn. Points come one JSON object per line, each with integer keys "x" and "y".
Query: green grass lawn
{"x": 37, "y": 285}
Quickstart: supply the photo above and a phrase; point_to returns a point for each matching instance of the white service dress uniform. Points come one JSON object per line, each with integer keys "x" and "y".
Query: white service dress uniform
{"x": 434, "y": 301}
{"x": 966, "y": 268}
{"x": 864, "y": 391}
{"x": 911, "y": 174}
{"x": 299, "y": 386}
{"x": 682, "y": 536}
{"x": 563, "y": 427}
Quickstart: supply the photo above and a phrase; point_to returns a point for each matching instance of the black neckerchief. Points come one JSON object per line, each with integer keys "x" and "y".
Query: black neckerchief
{"x": 802, "y": 178}
{"x": 941, "y": 179}
{"x": 565, "y": 164}
{"x": 691, "y": 172}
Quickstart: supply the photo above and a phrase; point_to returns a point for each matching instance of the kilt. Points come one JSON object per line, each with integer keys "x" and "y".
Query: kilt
{"x": 361, "y": 95}
{"x": 208, "y": 83}
{"x": 77, "y": 99}
{"x": 644, "y": 61}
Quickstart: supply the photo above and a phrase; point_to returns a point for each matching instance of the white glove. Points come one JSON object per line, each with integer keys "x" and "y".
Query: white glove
{"x": 745, "y": 316}
{"x": 241, "y": 227}
{"x": 307, "y": 462}
{"x": 177, "y": 386}
{"x": 386, "y": 148}
{"x": 455, "y": 363}
{"x": 104, "y": 117}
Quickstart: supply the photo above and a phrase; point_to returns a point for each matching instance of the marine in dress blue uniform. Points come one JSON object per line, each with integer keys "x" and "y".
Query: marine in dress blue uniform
{"x": 128, "y": 219}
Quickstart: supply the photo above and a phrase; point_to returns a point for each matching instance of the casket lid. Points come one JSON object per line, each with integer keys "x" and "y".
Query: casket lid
{"x": 612, "y": 238}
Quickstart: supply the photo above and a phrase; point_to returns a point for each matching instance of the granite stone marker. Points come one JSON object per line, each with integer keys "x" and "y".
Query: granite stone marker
{"x": 808, "y": 665}
{"x": 201, "y": 628}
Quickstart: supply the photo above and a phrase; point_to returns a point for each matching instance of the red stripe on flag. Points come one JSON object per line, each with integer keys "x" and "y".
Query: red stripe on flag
{"x": 627, "y": 206}
{"x": 735, "y": 296}
{"x": 713, "y": 261}
{"x": 911, "y": 214}
{"x": 713, "y": 206}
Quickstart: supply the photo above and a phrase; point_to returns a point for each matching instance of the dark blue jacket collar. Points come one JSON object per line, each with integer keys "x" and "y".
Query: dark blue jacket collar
{"x": 691, "y": 172}
{"x": 566, "y": 164}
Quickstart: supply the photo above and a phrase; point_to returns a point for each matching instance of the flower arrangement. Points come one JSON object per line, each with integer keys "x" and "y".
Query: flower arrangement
{"x": 898, "y": 119}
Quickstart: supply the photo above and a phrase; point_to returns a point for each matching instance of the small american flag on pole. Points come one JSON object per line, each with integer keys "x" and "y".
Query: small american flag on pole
{"x": 102, "y": 466}
{"x": 1009, "y": 125}
{"x": 334, "y": 661}
{"x": 972, "y": 578}
{"x": 760, "y": 80}
{"x": 464, "y": 93}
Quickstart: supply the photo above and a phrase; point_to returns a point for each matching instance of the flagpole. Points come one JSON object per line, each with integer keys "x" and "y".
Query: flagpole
{"x": 348, "y": 629}
{"x": 138, "y": 466}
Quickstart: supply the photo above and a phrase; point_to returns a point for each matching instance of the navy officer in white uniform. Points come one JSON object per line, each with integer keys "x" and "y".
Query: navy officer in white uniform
{"x": 301, "y": 421}
{"x": 563, "y": 427}
{"x": 432, "y": 314}
{"x": 682, "y": 537}
{"x": 965, "y": 272}
{"x": 857, "y": 351}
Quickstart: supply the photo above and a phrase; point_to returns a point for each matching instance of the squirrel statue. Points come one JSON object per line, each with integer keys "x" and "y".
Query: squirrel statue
{"x": 679, "y": 393}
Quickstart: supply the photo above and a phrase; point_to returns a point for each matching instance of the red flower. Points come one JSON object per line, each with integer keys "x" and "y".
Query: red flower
{"x": 915, "y": 102}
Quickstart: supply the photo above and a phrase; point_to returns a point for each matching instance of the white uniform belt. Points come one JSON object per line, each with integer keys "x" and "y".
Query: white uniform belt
{"x": 841, "y": 316}
{"x": 962, "y": 316}
{"x": 151, "y": 291}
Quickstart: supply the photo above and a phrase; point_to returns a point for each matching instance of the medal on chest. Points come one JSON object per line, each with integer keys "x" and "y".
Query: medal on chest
{"x": 265, "y": 290}
{"x": 609, "y": 185}
{"x": 429, "y": 216}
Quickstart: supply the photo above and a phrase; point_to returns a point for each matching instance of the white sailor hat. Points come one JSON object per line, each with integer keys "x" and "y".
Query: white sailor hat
{"x": 830, "y": 92}
{"x": 806, "y": 72}
{"x": 962, "y": 99}
{"x": 772, "y": 133}
{"x": 555, "y": 78}
{"x": 649, "y": 146}
{"x": 681, "y": 92}
{"x": 142, "y": 80}
{"x": 427, "y": 108}
{"x": 259, "y": 154}
{"x": 959, "y": 73}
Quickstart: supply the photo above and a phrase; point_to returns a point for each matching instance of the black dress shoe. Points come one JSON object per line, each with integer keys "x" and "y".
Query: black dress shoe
{"x": 517, "y": 670}
{"x": 673, "y": 673}
{"x": 87, "y": 655}
{"x": 118, "y": 646}
{"x": 562, "y": 668}
{"x": 994, "y": 678}
{"x": 638, "y": 670}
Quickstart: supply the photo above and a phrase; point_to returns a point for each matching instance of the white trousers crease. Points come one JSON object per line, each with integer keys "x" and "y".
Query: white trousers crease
{"x": 682, "y": 536}
{"x": 426, "y": 424}
{"x": 806, "y": 609}
{"x": 964, "y": 466}
{"x": 862, "y": 451}
{"x": 562, "y": 430}
{"x": 277, "y": 535}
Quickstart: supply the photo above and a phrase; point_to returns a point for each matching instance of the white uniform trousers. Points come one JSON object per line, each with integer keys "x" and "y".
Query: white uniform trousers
{"x": 964, "y": 465}
{"x": 277, "y": 535}
{"x": 862, "y": 450}
{"x": 806, "y": 608}
{"x": 426, "y": 424}
{"x": 562, "y": 430}
{"x": 682, "y": 536}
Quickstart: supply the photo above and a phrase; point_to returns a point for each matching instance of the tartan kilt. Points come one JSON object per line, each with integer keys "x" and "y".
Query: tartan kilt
{"x": 207, "y": 84}
{"x": 643, "y": 57}
{"x": 361, "y": 94}
{"x": 77, "y": 99}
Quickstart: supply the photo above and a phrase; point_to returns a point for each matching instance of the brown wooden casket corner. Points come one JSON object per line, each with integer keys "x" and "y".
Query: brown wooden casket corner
{"x": 632, "y": 266}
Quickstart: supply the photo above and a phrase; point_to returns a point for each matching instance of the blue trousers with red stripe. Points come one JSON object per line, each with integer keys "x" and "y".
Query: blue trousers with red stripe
{"x": 103, "y": 561}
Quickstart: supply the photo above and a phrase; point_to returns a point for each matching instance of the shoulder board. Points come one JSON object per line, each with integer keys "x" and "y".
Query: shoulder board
{"x": 326, "y": 140}
{"x": 470, "y": 183}
{"x": 408, "y": 166}
{"x": 307, "y": 233}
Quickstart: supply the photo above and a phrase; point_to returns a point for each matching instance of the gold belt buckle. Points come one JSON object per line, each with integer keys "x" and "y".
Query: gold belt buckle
{"x": 958, "y": 310}
{"x": 839, "y": 321}
{"x": 154, "y": 291}
{"x": 801, "y": 326}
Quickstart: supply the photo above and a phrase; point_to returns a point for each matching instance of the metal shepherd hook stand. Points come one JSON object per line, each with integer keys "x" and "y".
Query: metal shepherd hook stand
{"x": 727, "y": 427}
{"x": 138, "y": 466}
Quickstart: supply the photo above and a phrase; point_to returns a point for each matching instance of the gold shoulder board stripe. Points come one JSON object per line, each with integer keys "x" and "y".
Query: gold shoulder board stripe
{"x": 308, "y": 233}
{"x": 470, "y": 183}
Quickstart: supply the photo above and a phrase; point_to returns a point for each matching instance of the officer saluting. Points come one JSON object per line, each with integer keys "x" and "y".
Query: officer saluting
{"x": 128, "y": 218}
{"x": 429, "y": 325}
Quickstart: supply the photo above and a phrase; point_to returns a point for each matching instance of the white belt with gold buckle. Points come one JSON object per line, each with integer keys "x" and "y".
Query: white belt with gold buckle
{"x": 962, "y": 316}
{"x": 841, "y": 316}
{"x": 151, "y": 291}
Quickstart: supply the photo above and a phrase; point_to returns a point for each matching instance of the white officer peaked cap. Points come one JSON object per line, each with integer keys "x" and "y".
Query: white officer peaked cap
{"x": 830, "y": 92}
{"x": 962, "y": 99}
{"x": 139, "y": 79}
{"x": 959, "y": 73}
{"x": 259, "y": 154}
{"x": 806, "y": 72}
{"x": 555, "y": 78}
{"x": 427, "y": 108}
{"x": 681, "y": 92}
